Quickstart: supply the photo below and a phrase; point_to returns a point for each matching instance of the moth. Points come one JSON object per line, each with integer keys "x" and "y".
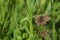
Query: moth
{"x": 41, "y": 20}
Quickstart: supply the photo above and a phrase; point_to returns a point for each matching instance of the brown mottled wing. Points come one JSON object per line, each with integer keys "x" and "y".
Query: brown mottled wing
{"x": 46, "y": 18}
{"x": 37, "y": 18}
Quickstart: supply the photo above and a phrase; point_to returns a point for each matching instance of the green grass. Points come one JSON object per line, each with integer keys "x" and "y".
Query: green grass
{"x": 17, "y": 19}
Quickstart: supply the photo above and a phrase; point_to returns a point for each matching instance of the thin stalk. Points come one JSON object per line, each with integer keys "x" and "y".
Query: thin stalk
{"x": 54, "y": 31}
{"x": 29, "y": 15}
{"x": 31, "y": 27}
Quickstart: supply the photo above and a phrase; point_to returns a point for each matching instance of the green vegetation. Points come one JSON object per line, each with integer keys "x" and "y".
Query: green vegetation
{"x": 17, "y": 20}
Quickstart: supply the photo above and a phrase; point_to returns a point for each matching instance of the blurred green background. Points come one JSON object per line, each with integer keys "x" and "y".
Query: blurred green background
{"x": 17, "y": 20}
